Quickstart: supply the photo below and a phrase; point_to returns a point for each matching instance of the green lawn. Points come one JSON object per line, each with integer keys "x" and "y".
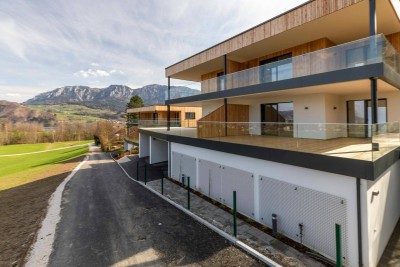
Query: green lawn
{"x": 17, "y": 149}
{"x": 18, "y": 170}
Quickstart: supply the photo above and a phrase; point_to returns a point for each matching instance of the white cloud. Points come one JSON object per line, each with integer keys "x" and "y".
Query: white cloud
{"x": 45, "y": 41}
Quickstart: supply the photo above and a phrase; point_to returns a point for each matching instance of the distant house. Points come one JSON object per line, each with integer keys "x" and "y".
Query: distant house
{"x": 300, "y": 116}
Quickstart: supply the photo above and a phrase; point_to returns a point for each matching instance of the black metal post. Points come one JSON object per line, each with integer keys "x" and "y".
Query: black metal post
{"x": 372, "y": 18}
{"x": 374, "y": 101}
{"x": 226, "y": 116}
{"x": 168, "y": 106}
{"x": 162, "y": 183}
{"x": 274, "y": 224}
{"x": 145, "y": 173}
{"x": 225, "y": 72}
{"x": 234, "y": 215}
{"x": 137, "y": 170}
{"x": 188, "y": 191}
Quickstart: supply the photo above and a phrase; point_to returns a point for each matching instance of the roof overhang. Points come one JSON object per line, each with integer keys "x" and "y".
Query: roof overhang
{"x": 343, "y": 25}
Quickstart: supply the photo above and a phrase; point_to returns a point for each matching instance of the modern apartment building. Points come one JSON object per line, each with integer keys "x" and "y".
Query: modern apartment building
{"x": 300, "y": 116}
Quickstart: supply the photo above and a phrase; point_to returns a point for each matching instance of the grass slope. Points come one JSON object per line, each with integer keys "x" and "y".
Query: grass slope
{"x": 76, "y": 112}
{"x": 17, "y": 149}
{"x": 18, "y": 170}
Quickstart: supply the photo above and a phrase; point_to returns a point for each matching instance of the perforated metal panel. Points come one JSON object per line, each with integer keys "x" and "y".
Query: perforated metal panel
{"x": 176, "y": 166}
{"x": 242, "y": 182}
{"x": 210, "y": 179}
{"x": 184, "y": 165}
{"x": 318, "y": 212}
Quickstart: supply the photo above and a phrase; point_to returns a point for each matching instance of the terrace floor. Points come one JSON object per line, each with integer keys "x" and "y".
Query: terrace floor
{"x": 344, "y": 147}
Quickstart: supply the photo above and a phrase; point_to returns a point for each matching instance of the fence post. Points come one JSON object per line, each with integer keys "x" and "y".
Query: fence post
{"x": 338, "y": 245}
{"x": 137, "y": 169}
{"x": 188, "y": 192}
{"x": 145, "y": 173}
{"x": 234, "y": 215}
{"x": 162, "y": 183}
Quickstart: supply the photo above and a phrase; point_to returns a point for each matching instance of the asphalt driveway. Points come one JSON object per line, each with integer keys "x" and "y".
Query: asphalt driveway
{"x": 109, "y": 220}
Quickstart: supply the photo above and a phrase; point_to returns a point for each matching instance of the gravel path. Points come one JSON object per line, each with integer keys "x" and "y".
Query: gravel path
{"x": 108, "y": 220}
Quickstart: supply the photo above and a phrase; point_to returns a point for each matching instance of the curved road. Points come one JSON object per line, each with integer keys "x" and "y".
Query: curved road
{"x": 109, "y": 220}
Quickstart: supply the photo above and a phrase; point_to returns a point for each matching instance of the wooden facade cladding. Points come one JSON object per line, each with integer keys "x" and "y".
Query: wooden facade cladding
{"x": 289, "y": 20}
{"x": 298, "y": 63}
{"x": 212, "y": 125}
{"x": 394, "y": 39}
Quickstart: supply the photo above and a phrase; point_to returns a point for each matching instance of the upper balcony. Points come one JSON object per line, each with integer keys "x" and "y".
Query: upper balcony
{"x": 358, "y": 56}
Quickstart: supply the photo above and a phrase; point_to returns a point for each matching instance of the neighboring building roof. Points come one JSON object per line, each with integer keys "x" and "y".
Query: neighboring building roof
{"x": 156, "y": 108}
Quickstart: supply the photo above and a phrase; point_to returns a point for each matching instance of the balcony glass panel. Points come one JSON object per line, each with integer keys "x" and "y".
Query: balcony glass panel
{"x": 329, "y": 139}
{"x": 375, "y": 49}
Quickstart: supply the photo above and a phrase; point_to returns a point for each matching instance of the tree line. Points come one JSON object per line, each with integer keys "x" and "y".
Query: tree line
{"x": 33, "y": 132}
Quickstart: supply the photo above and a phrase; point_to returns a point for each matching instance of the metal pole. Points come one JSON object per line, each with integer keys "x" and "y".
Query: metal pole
{"x": 162, "y": 183}
{"x": 234, "y": 215}
{"x": 226, "y": 115}
{"x": 137, "y": 170}
{"x": 145, "y": 173}
{"x": 374, "y": 101}
{"x": 338, "y": 246}
{"x": 188, "y": 191}
{"x": 372, "y": 17}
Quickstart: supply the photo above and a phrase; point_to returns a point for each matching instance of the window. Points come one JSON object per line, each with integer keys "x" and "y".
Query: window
{"x": 276, "y": 68}
{"x": 220, "y": 81}
{"x": 190, "y": 115}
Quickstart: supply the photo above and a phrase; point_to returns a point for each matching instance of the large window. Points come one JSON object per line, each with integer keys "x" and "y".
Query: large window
{"x": 276, "y": 68}
{"x": 359, "y": 116}
{"x": 277, "y": 119}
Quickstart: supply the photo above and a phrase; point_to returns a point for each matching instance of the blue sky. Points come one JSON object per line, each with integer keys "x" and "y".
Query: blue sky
{"x": 52, "y": 43}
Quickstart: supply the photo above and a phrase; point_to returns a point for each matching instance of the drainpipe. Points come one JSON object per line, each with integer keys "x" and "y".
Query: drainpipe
{"x": 359, "y": 229}
{"x": 168, "y": 106}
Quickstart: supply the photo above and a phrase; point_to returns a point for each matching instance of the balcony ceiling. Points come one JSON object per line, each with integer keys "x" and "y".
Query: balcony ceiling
{"x": 341, "y": 89}
{"x": 342, "y": 26}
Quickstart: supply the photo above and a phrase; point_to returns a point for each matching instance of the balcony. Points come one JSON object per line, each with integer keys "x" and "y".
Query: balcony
{"x": 363, "y": 52}
{"x": 352, "y": 141}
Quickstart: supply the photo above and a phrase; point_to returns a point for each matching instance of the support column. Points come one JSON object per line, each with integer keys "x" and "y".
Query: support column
{"x": 226, "y": 115}
{"x": 372, "y": 18}
{"x": 169, "y": 106}
{"x": 225, "y": 71}
{"x": 372, "y": 32}
{"x": 374, "y": 101}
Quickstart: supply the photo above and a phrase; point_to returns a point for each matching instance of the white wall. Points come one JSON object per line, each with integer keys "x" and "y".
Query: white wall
{"x": 339, "y": 185}
{"x": 144, "y": 145}
{"x": 383, "y": 202}
{"x": 158, "y": 150}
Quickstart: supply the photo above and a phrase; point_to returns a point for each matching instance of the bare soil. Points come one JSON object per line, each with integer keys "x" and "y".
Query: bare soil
{"x": 22, "y": 210}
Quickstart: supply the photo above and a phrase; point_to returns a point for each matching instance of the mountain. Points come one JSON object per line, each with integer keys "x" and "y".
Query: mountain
{"x": 114, "y": 97}
{"x": 18, "y": 113}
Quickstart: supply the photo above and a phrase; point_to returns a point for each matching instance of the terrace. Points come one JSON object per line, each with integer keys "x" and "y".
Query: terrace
{"x": 352, "y": 141}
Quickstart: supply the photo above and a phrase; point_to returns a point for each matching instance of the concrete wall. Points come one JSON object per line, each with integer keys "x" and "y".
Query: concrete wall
{"x": 158, "y": 150}
{"x": 337, "y": 185}
{"x": 144, "y": 145}
{"x": 383, "y": 202}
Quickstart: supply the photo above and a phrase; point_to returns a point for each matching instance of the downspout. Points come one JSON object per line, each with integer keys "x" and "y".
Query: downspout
{"x": 359, "y": 229}
{"x": 226, "y": 115}
{"x": 168, "y": 106}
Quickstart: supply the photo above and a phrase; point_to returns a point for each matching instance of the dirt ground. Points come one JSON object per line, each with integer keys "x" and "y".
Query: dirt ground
{"x": 22, "y": 210}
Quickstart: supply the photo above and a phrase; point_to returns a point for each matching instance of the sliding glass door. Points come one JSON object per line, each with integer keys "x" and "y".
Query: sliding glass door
{"x": 359, "y": 114}
{"x": 277, "y": 119}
